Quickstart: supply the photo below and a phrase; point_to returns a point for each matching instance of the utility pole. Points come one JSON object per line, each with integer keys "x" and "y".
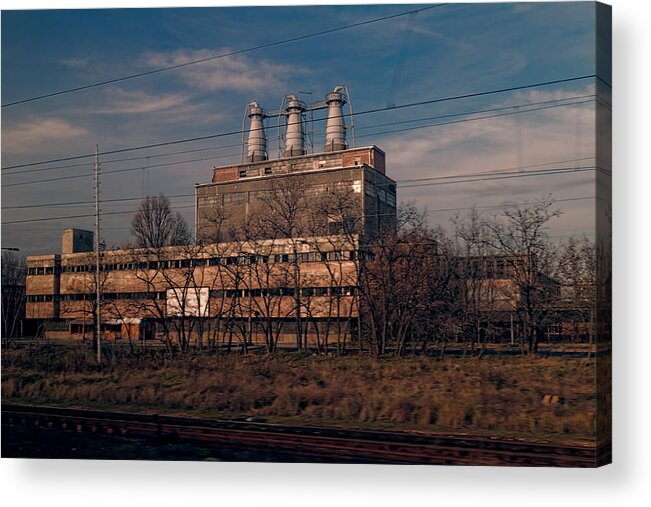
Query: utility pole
{"x": 98, "y": 294}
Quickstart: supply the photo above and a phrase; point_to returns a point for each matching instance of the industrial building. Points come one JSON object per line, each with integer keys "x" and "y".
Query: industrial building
{"x": 237, "y": 191}
{"x": 279, "y": 244}
{"x": 269, "y": 284}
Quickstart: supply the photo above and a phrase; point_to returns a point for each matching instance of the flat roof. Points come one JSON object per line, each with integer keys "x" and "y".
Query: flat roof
{"x": 308, "y": 155}
{"x": 271, "y": 176}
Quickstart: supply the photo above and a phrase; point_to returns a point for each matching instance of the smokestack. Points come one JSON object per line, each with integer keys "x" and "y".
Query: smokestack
{"x": 335, "y": 127}
{"x": 257, "y": 142}
{"x": 294, "y": 143}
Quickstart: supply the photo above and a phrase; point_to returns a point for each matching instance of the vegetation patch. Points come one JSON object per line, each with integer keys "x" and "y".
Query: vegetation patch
{"x": 501, "y": 396}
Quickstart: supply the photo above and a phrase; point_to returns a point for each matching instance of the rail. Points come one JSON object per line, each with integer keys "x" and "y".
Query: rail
{"x": 327, "y": 444}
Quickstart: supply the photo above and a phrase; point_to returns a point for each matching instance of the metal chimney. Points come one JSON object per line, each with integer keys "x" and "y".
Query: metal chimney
{"x": 335, "y": 126}
{"x": 294, "y": 141}
{"x": 257, "y": 142}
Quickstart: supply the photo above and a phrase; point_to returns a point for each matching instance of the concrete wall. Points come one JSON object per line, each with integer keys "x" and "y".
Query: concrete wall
{"x": 131, "y": 289}
{"x": 371, "y": 156}
{"x": 76, "y": 240}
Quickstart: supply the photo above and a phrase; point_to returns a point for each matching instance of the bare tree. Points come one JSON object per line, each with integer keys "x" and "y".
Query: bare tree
{"x": 155, "y": 224}
{"x": 175, "y": 285}
{"x": 578, "y": 272}
{"x": 14, "y": 271}
{"x": 478, "y": 268}
{"x": 84, "y": 284}
{"x": 519, "y": 234}
{"x": 284, "y": 214}
{"x": 403, "y": 285}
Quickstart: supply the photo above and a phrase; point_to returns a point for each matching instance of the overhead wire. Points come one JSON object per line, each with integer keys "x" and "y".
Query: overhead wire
{"x": 505, "y": 205}
{"x": 357, "y": 113}
{"x": 414, "y": 120}
{"x": 507, "y": 170}
{"x": 222, "y": 55}
{"x": 489, "y": 177}
{"x": 128, "y": 159}
{"x": 465, "y": 120}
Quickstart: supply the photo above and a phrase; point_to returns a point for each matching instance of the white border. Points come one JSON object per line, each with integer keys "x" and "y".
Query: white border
{"x": 627, "y": 482}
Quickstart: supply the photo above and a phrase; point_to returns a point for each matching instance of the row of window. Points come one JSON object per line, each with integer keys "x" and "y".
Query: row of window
{"x": 48, "y": 270}
{"x": 90, "y": 296}
{"x": 226, "y": 293}
{"x": 284, "y": 291}
{"x": 337, "y": 255}
{"x": 254, "y": 172}
{"x": 234, "y": 198}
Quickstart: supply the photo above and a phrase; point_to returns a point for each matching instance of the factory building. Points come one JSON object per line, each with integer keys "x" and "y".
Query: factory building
{"x": 270, "y": 285}
{"x": 216, "y": 292}
{"x": 237, "y": 192}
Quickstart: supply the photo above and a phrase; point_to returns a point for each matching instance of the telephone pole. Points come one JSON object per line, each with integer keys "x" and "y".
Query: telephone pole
{"x": 98, "y": 294}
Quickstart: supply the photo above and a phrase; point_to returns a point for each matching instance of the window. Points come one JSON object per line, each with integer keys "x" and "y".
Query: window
{"x": 243, "y": 173}
{"x": 306, "y": 257}
{"x": 267, "y": 170}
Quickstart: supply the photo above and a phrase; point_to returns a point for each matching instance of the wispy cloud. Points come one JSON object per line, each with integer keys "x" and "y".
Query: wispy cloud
{"x": 237, "y": 72}
{"x": 559, "y": 135}
{"x": 33, "y": 135}
{"x": 138, "y": 102}
{"x": 75, "y": 62}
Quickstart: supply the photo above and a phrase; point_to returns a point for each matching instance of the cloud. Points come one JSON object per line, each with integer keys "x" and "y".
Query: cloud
{"x": 553, "y": 137}
{"x": 34, "y": 135}
{"x": 237, "y": 72}
{"x": 138, "y": 102}
{"x": 75, "y": 62}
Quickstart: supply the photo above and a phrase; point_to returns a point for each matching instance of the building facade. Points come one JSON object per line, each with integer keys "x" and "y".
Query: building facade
{"x": 254, "y": 292}
{"x": 253, "y": 274}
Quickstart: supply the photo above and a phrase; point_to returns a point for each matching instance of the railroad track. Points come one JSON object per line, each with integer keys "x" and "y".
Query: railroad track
{"x": 325, "y": 444}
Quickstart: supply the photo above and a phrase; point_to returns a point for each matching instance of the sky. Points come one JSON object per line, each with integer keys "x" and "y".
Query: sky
{"x": 447, "y": 51}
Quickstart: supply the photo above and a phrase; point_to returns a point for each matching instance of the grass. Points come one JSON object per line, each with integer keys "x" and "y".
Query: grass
{"x": 494, "y": 395}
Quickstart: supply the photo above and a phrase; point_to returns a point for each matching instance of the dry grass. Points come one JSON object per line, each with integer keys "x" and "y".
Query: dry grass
{"x": 501, "y": 396}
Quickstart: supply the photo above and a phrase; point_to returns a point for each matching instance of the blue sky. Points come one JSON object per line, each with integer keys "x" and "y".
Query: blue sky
{"x": 447, "y": 51}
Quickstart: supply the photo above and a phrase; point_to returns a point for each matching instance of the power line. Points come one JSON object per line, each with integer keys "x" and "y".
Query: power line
{"x": 127, "y": 159}
{"x": 358, "y": 113}
{"x": 77, "y": 203}
{"x": 80, "y": 216}
{"x": 505, "y": 205}
{"x": 494, "y": 176}
{"x": 410, "y": 180}
{"x": 216, "y": 57}
{"x": 441, "y": 210}
{"x": 74, "y": 176}
{"x": 564, "y": 102}
{"x": 453, "y": 115}
{"x": 474, "y": 119}
{"x": 493, "y": 171}
{"x": 519, "y": 111}
{"x": 551, "y": 172}
{"x": 430, "y": 178}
